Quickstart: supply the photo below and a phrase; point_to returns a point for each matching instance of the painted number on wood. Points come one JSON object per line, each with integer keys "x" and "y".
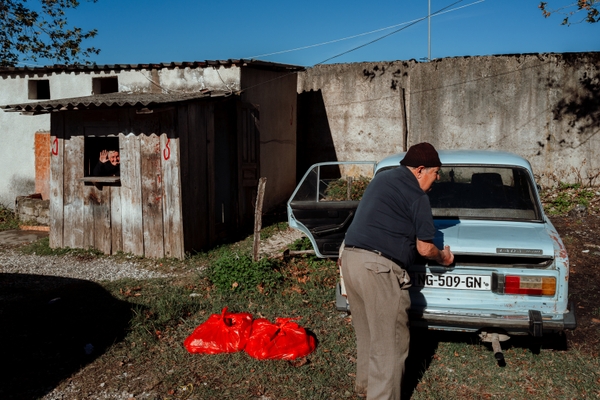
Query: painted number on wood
{"x": 167, "y": 150}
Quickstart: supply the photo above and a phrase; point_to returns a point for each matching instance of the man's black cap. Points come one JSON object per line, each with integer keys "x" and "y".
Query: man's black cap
{"x": 421, "y": 154}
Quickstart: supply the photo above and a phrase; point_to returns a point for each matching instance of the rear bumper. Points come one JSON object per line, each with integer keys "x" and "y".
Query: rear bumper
{"x": 533, "y": 322}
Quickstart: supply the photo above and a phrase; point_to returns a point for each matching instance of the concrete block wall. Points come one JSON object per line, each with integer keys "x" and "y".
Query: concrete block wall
{"x": 544, "y": 107}
{"x": 33, "y": 210}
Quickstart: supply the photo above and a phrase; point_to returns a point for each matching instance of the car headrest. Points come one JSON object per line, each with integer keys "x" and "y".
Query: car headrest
{"x": 486, "y": 179}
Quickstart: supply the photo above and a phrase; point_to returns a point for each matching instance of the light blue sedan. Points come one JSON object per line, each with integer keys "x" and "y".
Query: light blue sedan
{"x": 511, "y": 269}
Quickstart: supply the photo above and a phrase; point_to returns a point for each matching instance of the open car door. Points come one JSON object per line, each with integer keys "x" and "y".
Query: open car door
{"x": 325, "y": 200}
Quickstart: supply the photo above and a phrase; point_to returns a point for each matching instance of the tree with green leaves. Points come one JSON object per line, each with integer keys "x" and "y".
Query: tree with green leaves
{"x": 40, "y": 31}
{"x": 587, "y": 8}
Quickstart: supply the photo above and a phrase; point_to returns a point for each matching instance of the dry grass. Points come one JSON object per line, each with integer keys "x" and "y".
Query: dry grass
{"x": 136, "y": 330}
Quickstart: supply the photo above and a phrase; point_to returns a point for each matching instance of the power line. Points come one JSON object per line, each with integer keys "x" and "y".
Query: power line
{"x": 439, "y": 12}
{"x": 396, "y": 31}
{"x": 409, "y": 23}
{"x": 333, "y": 41}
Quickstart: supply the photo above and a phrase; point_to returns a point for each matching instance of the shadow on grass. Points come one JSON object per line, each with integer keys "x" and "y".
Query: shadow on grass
{"x": 423, "y": 345}
{"x": 549, "y": 341}
{"x": 50, "y": 327}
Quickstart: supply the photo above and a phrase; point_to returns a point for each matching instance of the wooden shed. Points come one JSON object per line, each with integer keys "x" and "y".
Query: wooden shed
{"x": 189, "y": 166}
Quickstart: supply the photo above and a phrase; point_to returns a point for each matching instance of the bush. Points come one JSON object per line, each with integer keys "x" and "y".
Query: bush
{"x": 234, "y": 272}
{"x": 8, "y": 219}
{"x": 301, "y": 244}
{"x": 565, "y": 197}
{"x": 338, "y": 189}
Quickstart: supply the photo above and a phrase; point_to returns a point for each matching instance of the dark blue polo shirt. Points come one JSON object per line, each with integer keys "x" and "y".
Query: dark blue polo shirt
{"x": 393, "y": 212}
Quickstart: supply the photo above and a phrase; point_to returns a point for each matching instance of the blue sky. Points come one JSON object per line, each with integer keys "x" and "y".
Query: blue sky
{"x": 152, "y": 31}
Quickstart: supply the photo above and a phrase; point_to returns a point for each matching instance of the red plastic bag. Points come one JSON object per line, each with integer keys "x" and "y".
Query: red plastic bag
{"x": 283, "y": 340}
{"x": 221, "y": 333}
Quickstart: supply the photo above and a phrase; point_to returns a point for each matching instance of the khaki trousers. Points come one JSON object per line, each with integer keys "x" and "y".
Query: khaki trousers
{"x": 379, "y": 303}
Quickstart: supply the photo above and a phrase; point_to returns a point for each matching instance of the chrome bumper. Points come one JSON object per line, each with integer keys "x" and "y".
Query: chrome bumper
{"x": 534, "y": 323}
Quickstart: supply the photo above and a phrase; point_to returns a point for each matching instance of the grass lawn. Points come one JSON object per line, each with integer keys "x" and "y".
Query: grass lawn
{"x": 134, "y": 331}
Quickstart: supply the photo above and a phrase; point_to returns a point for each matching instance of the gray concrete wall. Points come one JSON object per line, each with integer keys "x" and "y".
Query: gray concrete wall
{"x": 352, "y": 111}
{"x": 544, "y": 107}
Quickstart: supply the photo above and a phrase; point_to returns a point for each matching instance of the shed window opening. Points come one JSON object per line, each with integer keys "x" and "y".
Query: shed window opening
{"x": 102, "y": 157}
{"x": 38, "y": 89}
{"x": 105, "y": 85}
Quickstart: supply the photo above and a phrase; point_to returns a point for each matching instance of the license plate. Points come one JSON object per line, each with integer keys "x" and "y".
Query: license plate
{"x": 452, "y": 281}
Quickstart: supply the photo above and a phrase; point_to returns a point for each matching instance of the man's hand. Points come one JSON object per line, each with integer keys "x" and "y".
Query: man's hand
{"x": 447, "y": 257}
{"x": 427, "y": 249}
{"x": 104, "y": 156}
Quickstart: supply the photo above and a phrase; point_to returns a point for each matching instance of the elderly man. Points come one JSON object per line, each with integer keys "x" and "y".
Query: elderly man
{"x": 108, "y": 165}
{"x": 392, "y": 223}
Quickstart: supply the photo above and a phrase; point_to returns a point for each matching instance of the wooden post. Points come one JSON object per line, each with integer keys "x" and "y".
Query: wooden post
{"x": 258, "y": 216}
{"x": 349, "y": 188}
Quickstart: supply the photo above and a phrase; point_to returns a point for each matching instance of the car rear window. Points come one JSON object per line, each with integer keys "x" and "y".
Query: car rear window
{"x": 484, "y": 192}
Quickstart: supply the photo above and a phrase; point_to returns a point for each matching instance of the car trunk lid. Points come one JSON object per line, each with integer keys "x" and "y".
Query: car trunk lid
{"x": 523, "y": 239}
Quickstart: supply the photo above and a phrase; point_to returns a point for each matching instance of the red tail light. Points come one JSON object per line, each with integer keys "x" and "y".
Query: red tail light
{"x": 530, "y": 285}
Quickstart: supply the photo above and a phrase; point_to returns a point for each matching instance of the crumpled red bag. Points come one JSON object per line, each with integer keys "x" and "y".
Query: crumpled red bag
{"x": 283, "y": 340}
{"x": 221, "y": 333}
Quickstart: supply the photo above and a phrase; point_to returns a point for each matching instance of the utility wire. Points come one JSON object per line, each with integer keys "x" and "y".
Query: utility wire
{"x": 440, "y": 12}
{"x": 332, "y": 41}
{"x": 394, "y": 32}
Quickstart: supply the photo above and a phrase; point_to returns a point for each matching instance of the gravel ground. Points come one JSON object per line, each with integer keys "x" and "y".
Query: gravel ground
{"x": 99, "y": 269}
{"x": 35, "y": 272}
{"x": 88, "y": 268}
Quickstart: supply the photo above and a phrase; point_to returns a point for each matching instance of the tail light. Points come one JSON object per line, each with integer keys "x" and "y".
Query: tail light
{"x": 527, "y": 285}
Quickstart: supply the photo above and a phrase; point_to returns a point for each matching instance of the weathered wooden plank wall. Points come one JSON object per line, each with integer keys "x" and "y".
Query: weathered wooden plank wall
{"x": 184, "y": 157}
{"x": 116, "y": 226}
{"x": 131, "y": 195}
{"x": 194, "y": 122}
{"x": 209, "y": 194}
{"x": 73, "y": 190}
{"x": 248, "y": 161}
{"x": 101, "y": 217}
{"x": 173, "y": 225}
{"x": 90, "y": 199}
{"x": 56, "y": 181}
{"x": 159, "y": 208}
{"x": 151, "y": 186}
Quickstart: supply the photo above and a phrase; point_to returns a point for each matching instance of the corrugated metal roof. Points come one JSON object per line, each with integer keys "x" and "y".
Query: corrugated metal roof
{"x": 183, "y": 64}
{"x": 109, "y": 100}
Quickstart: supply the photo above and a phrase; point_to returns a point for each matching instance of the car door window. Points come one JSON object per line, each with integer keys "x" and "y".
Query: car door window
{"x": 325, "y": 201}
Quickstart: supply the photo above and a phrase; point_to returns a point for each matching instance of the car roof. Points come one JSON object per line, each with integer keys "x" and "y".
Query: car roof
{"x": 466, "y": 157}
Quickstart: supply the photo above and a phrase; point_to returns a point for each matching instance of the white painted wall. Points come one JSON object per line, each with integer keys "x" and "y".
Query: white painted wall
{"x": 178, "y": 79}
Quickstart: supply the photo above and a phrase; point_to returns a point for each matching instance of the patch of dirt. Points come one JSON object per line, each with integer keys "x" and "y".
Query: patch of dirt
{"x": 580, "y": 236}
{"x": 277, "y": 243}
